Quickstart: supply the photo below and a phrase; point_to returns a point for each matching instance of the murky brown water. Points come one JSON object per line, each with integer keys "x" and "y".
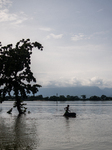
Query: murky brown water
{"x": 45, "y": 128}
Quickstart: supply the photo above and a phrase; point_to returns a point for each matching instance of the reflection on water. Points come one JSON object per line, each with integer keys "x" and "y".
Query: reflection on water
{"x": 46, "y": 128}
{"x": 17, "y": 133}
{"x": 25, "y": 133}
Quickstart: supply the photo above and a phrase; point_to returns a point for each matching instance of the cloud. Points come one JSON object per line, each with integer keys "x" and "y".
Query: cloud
{"x": 75, "y": 82}
{"x": 5, "y": 3}
{"x": 96, "y": 81}
{"x": 5, "y": 16}
{"x": 81, "y": 36}
{"x": 78, "y": 37}
{"x": 55, "y": 36}
{"x": 96, "y": 34}
{"x": 61, "y": 82}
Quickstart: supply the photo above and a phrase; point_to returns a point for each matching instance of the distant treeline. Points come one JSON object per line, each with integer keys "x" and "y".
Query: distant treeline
{"x": 63, "y": 98}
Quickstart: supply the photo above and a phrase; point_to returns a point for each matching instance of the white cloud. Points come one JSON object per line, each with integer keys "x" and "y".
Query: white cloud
{"x": 81, "y": 36}
{"x": 5, "y": 16}
{"x": 96, "y": 81}
{"x": 4, "y": 3}
{"x": 78, "y": 37}
{"x": 75, "y": 82}
{"x": 55, "y": 36}
{"x": 100, "y": 34}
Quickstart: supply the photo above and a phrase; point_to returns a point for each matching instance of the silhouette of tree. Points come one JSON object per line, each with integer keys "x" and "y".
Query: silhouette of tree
{"x": 95, "y": 98}
{"x": 83, "y": 97}
{"x": 104, "y": 97}
{"x": 15, "y": 74}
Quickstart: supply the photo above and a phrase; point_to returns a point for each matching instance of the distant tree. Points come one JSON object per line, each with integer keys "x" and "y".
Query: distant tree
{"x": 46, "y": 98}
{"x": 62, "y": 98}
{"x": 16, "y": 77}
{"x": 103, "y": 97}
{"x": 83, "y": 97}
{"x": 95, "y": 98}
{"x": 53, "y": 98}
{"x": 72, "y": 98}
{"x": 76, "y": 98}
{"x": 39, "y": 97}
{"x": 68, "y": 97}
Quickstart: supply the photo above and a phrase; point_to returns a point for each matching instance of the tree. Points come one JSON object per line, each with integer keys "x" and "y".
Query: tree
{"x": 95, "y": 98}
{"x": 16, "y": 77}
{"x": 103, "y": 97}
{"x": 83, "y": 97}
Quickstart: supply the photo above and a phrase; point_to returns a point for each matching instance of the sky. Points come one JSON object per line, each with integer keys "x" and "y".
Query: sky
{"x": 76, "y": 36}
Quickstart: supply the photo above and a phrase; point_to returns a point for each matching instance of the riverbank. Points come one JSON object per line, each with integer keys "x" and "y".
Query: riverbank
{"x": 63, "y": 98}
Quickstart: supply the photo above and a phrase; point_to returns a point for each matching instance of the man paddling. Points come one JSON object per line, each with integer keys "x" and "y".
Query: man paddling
{"x": 67, "y": 109}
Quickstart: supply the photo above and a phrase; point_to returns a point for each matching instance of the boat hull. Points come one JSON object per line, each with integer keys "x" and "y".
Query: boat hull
{"x": 70, "y": 115}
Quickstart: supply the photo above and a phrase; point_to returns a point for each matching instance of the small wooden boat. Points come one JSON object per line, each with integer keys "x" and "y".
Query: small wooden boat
{"x": 71, "y": 114}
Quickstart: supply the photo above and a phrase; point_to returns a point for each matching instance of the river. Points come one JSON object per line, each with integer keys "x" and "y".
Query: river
{"x": 45, "y": 128}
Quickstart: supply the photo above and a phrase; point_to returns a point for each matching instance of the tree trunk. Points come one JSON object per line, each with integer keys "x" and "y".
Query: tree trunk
{"x": 19, "y": 106}
{"x": 18, "y": 103}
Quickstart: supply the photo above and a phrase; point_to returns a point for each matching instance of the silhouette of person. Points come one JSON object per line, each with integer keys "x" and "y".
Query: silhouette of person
{"x": 67, "y": 109}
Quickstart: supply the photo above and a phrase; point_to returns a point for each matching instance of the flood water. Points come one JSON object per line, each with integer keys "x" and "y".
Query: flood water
{"x": 45, "y": 128}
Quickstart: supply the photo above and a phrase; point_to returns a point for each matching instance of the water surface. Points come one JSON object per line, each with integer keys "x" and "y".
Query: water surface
{"x": 45, "y": 128}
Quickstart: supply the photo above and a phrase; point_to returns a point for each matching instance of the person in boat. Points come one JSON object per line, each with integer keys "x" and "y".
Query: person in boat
{"x": 67, "y": 109}
{"x": 68, "y": 113}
